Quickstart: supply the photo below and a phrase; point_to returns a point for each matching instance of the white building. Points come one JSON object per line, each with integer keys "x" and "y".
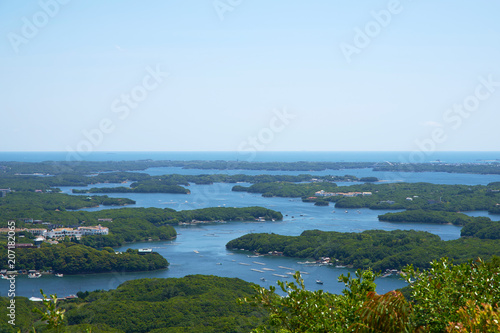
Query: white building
{"x": 63, "y": 232}
{"x": 93, "y": 230}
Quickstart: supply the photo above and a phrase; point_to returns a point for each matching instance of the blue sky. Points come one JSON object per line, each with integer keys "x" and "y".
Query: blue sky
{"x": 203, "y": 75}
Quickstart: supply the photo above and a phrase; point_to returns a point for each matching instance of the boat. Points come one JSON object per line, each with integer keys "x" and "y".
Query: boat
{"x": 219, "y": 263}
{"x": 59, "y": 275}
{"x": 34, "y": 275}
{"x": 319, "y": 282}
{"x": 281, "y": 275}
{"x": 262, "y": 279}
{"x": 284, "y": 267}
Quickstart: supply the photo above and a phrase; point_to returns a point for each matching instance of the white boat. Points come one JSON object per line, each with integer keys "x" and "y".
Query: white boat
{"x": 256, "y": 270}
{"x": 34, "y": 275}
{"x": 319, "y": 282}
{"x": 284, "y": 267}
{"x": 281, "y": 275}
{"x": 59, "y": 275}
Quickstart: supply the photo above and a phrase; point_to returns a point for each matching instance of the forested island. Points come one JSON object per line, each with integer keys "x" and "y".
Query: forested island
{"x": 409, "y": 196}
{"x": 474, "y": 168}
{"x": 71, "y": 258}
{"x": 125, "y": 225}
{"x": 196, "y": 303}
{"x": 34, "y": 211}
{"x": 425, "y": 216}
{"x": 144, "y": 183}
{"x": 89, "y": 167}
{"x": 376, "y": 249}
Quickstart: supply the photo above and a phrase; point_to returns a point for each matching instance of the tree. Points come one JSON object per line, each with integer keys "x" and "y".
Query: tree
{"x": 52, "y": 314}
{"x": 439, "y": 293}
{"x": 301, "y": 310}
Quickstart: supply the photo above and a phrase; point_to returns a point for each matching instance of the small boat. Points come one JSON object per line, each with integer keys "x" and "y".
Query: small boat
{"x": 284, "y": 267}
{"x": 59, "y": 275}
{"x": 262, "y": 279}
{"x": 319, "y": 282}
{"x": 219, "y": 263}
{"x": 34, "y": 275}
{"x": 281, "y": 275}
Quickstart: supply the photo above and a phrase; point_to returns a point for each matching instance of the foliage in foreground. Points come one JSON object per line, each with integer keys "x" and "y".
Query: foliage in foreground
{"x": 445, "y": 298}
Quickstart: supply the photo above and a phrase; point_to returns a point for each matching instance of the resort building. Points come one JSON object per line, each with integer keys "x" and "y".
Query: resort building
{"x": 93, "y": 230}
{"x": 63, "y": 232}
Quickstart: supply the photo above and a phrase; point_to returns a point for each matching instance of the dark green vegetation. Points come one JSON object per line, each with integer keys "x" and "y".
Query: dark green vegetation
{"x": 88, "y": 167}
{"x": 24, "y": 314}
{"x": 477, "y": 168}
{"x": 191, "y": 304}
{"x": 286, "y": 189}
{"x": 31, "y": 183}
{"x": 439, "y": 217}
{"x": 144, "y": 183}
{"x": 38, "y": 202}
{"x": 194, "y": 303}
{"x": 70, "y": 258}
{"x": 446, "y": 298}
{"x": 171, "y": 183}
{"x": 152, "y": 187}
{"x": 374, "y": 249}
{"x": 482, "y": 229}
{"x": 410, "y": 196}
{"x": 125, "y": 225}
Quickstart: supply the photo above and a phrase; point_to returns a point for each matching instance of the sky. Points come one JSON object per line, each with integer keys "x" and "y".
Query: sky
{"x": 241, "y": 75}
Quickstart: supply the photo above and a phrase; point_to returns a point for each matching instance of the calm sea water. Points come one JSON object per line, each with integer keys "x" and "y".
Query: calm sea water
{"x": 264, "y": 156}
{"x": 209, "y": 240}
